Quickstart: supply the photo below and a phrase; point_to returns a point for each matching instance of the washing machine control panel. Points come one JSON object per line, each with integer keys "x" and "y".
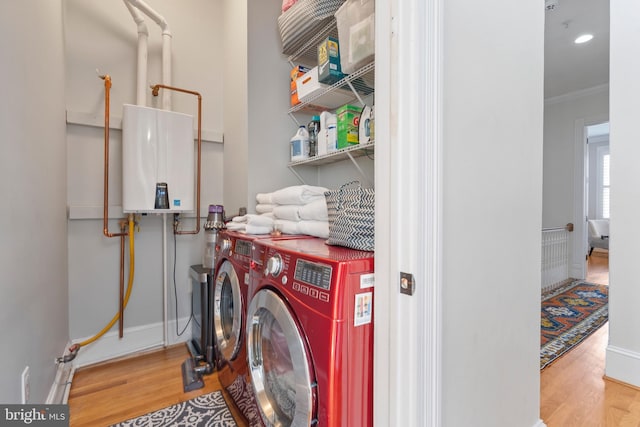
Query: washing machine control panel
{"x": 274, "y": 265}
{"x": 314, "y": 274}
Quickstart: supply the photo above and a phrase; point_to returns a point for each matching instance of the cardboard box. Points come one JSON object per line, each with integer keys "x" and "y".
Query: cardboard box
{"x": 329, "y": 70}
{"x": 296, "y": 72}
{"x": 348, "y": 122}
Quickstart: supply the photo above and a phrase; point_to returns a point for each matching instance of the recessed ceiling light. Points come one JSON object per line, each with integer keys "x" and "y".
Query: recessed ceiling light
{"x": 583, "y": 38}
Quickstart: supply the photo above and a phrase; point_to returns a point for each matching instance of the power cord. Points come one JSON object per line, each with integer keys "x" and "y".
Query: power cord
{"x": 175, "y": 289}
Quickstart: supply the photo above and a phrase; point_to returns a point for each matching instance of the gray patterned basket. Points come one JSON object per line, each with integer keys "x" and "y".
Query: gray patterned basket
{"x": 303, "y": 20}
{"x": 351, "y": 210}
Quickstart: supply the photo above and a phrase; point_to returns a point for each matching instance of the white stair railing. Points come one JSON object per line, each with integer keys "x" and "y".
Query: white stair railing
{"x": 555, "y": 256}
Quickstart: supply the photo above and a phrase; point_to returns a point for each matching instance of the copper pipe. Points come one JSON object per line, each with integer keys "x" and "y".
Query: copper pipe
{"x": 105, "y": 214}
{"x": 154, "y": 91}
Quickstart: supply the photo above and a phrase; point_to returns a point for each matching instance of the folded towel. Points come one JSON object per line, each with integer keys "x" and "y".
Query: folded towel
{"x": 253, "y": 219}
{"x": 236, "y": 226}
{"x": 258, "y": 229}
{"x": 264, "y": 198}
{"x": 298, "y": 195}
{"x": 287, "y": 227}
{"x": 288, "y": 212}
{"x": 262, "y": 208}
{"x": 314, "y": 228}
{"x": 316, "y": 210}
{"x": 248, "y": 228}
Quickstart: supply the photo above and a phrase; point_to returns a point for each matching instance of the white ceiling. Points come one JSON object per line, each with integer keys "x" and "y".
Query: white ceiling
{"x": 570, "y": 67}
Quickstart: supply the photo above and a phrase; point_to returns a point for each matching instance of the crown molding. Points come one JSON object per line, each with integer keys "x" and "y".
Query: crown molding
{"x": 571, "y": 96}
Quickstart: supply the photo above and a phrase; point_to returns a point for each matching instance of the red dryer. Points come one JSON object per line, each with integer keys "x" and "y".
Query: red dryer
{"x": 309, "y": 333}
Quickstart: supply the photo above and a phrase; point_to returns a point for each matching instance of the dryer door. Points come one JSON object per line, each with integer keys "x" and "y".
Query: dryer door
{"x": 227, "y": 311}
{"x": 279, "y": 363}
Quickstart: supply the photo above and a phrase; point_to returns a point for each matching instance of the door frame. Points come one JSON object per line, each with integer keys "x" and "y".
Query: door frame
{"x": 579, "y": 249}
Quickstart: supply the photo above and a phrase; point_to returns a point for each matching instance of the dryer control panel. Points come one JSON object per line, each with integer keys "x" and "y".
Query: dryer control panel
{"x": 314, "y": 274}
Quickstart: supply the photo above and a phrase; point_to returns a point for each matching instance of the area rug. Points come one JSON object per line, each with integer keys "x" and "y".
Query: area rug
{"x": 208, "y": 410}
{"x": 570, "y": 314}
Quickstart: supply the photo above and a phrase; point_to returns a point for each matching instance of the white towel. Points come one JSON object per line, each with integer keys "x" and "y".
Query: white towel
{"x": 316, "y": 210}
{"x": 262, "y": 208}
{"x": 258, "y": 229}
{"x": 264, "y": 198}
{"x": 298, "y": 195}
{"x": 248, "y": 228}
{"x": 288, "y": 212}
{"x": 314, "y": 228}
{"x": 236, "y": 226}
{"x": 253, "y": 219}
{"x": 287, "y": 227}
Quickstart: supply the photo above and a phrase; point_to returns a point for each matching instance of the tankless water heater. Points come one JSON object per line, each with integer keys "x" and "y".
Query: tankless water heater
{"x": 158, "y": 153}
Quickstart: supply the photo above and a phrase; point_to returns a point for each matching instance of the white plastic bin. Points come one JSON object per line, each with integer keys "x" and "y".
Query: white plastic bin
{"x": 309, "y": 87}
{"x": 356, "y": 34}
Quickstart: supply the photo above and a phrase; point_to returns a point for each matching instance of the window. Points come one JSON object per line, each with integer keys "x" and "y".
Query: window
{"x": 602, "y": 197}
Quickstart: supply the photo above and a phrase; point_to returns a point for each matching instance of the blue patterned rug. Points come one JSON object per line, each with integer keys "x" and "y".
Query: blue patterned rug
{"x": 208, "y": 410}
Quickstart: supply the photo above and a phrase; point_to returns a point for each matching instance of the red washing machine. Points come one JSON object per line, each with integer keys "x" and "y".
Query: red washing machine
{"x": 310, "y": 333}
{"x": 233, "y": 258}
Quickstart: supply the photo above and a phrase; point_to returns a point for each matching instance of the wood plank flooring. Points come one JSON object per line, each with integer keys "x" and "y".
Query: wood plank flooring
{"x": 573, "y": 390}
{"x": 115, "y": 391}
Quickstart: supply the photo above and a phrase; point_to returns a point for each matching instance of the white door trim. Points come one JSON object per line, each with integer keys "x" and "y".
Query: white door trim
{"x": 408, "y": 329}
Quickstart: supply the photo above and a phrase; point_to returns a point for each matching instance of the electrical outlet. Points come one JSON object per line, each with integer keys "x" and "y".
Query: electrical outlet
{"x": 26, "y": 387}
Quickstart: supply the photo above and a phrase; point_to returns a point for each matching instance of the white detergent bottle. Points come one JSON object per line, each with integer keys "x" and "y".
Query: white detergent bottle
{"x": 322, "y": 134}
{"x": 300, "y": 144}
{"x": 332, "y": 133}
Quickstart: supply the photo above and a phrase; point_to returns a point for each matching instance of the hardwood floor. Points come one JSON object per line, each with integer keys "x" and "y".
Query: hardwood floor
{"x": 574, "y": 391}
{"x": 115, "y": 391}
{"x": 598, "y": 267}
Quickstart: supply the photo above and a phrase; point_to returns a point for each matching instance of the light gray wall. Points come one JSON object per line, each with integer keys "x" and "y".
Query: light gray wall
{"x": 623, "y": 351}
{"x": 102, "y": 35}
{"x": 270, "y": 128}
{"x": 235, "y": 102}
{"x": 33, "y": 247}
{"x": 560, "y": 115}
{"x": 492, "y": 210}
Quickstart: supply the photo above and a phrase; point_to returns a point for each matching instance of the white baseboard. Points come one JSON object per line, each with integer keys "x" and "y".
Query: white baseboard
{"x": 540, "y": 423}
{"x": 623, "y": 365}
{"x": 134, "y": 340}
{"x": 59, "y": 391}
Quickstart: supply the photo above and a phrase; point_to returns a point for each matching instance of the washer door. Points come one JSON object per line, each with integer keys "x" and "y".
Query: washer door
{"x": 227, "y": 311}
{"x": 279, "y": 363}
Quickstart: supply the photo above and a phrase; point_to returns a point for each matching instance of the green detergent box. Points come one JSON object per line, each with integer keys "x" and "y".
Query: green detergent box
{"x": 348, "y": 117}
{"x": 329, "y": 70}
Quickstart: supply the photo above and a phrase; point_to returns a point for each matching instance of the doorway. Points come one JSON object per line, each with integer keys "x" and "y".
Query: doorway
{"x": 597, "y": 191}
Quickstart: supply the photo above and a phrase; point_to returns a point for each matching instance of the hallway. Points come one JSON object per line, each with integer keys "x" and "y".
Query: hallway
{"x": 574, "y": 390}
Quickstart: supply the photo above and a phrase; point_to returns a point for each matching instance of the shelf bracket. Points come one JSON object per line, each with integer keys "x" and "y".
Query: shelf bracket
{"x": 357, "y": 166}
{"x": 292, "y": 169}
{"x": 355, "y": 92}
{"x": 293, "y": 117}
